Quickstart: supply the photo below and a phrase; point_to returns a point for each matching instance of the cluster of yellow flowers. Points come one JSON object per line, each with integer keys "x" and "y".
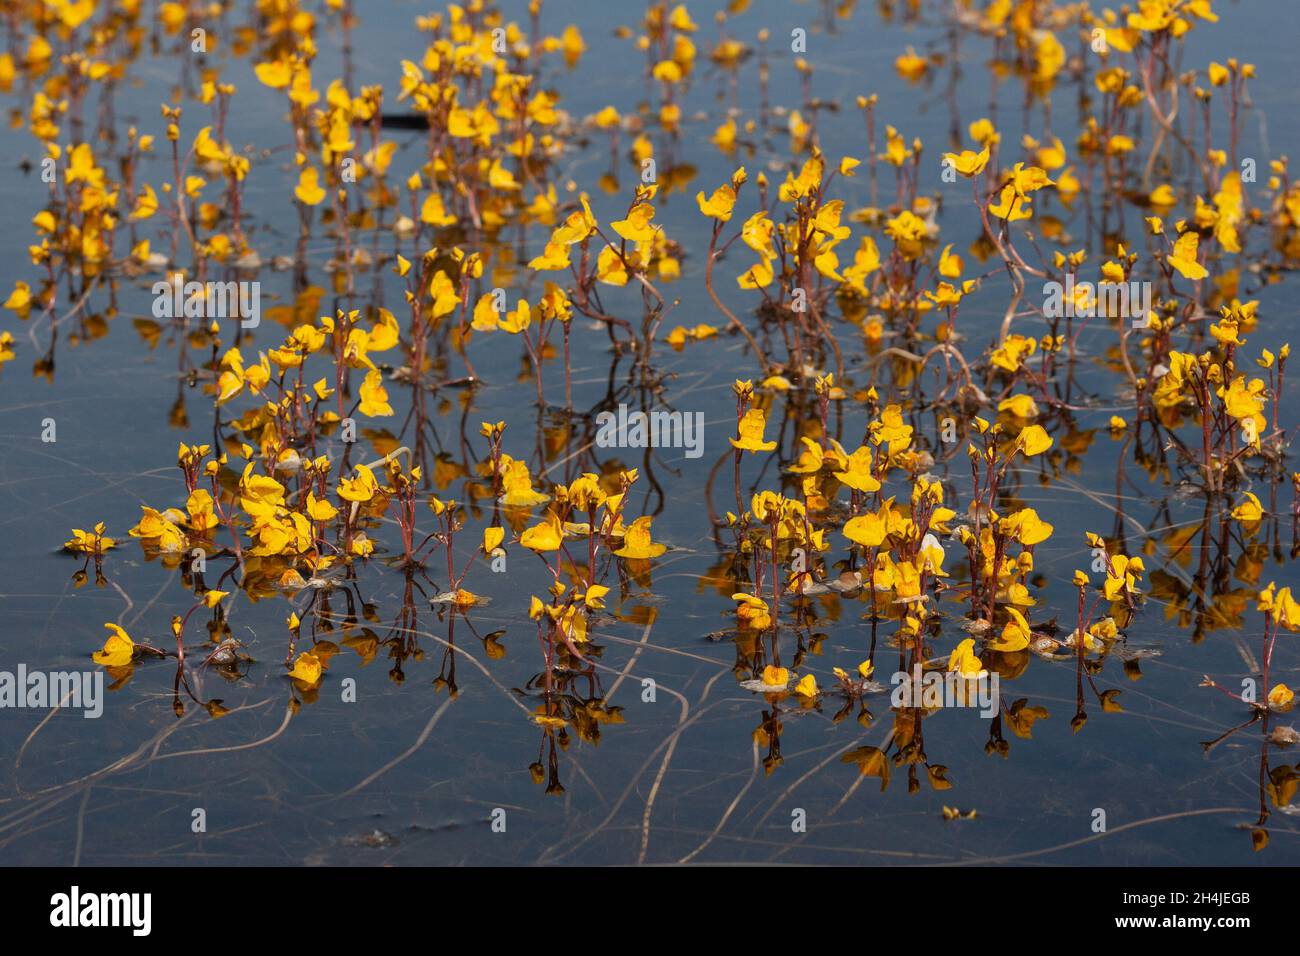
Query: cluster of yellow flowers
{"x": 488, "y": 206}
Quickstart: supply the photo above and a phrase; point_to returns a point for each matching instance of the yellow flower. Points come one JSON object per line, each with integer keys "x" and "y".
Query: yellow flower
{"x": 637, "y": 543}
{"x": 517, "y": 485}
{"x": 213, "y": 598}
{"x": 910, "y": 66}
{"x": 757, "y": 233}
{"x": 857, "y": 471}
{"x": 20, "y": 300}
{"x": 1021, "y": 406}
{"x": 751, "y": 428}
{"x": 949, "y": 264}
{"x": 777, "y": 677}
{"x": 807, "y": 686}
{"x": 1121, "y": 576}
{"x": 307, "y": 668}
{"x": 89, "y": 542}
{"x": 318, "y": 509}
{"x": 360, "y": 488}
{"x": 160, "y": 528}
{"x": 757, "y": 276}
{"x": 637, "y": 227}
{"x": 753, "y": 612}
{"x": 1280, "y": 695}
{"x": 1249, "y": 511}
{"x": 374, "y": 397}
{"x": 308, "y": 189}
{"x": 1011, "y": 205}
{"x": 1015, "y": 635}
{"x": 493, "y": 535}
{"x": 1028, "y": 528}
{"x": 968, "y": 163}
{"x": 720, "y": 204}
{"x": 1183, "y": 258}
{"x": 518, "y": 320}
{"x": 1283, "y": 607}
{"x": 594, "y": 597}
{"x": 554, "y": 257}
{"x": 964, "y": 661}
{"x": 465, "y": 598}
{"x": 546, "y": 536}
{"x": 1034, "y": 440}
{"x": 868, "y": 530}
{"x": 118, "y": 648}
{"x": 1244, "y": 400}
{"x": 275, "y": 75}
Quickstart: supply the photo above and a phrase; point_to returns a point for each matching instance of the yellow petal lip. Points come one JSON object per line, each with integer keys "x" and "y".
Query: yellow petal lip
{"x": 118, "y": 649}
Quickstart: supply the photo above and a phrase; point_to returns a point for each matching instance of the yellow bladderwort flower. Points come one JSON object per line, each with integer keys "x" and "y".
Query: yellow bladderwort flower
{"x": 757, "y": 233}
{"x": 308, "y": 190}
{"x": 1015, "y": 635}
{"x": 308, "y": 669}
{"x": 554, "y": 257}
{"x": 1011, "y": 205}
{"x": 891, "y": 430}
{"x": 1245, "y": 400}
{"x": 493, "y": 535}
{"x": 518, "y": 320}
{"x": 637, "y": 227}
{"x": 757, "y": 276}
{"x": 810, "y": 459}
{"x": 720, "y": 204}
{"x": 752, "y": 612}
{"x": 1121, "y": 576}
{"x": 360, "y": 488}
{"x": 868, "y": 530}
{"x": 1280, "y": 696}
{"x": 1184, "y": 257}
{"x": 857, "y": 471}
{"x": 910, "y": 66}
{"x": 1021, "y": 406}
{"x": 964, "y": 661}
{"x": 118, "y": 649}
{"x": 318, "y": 509}
{"x": 374, "y": 397}
{"x": 950, "y": 265}
{"x": 807, "y": 686}
{"x": 775, "y": 677}
{"x": 1284, "y": 608}
{"x": 1249, "y": 511}
{"x": 90, "y": 542}
{"x": 1027, "y": 527}
{"x": 202, "y": 515}
{"x": 160, "y": 528}
{"x": 594, "y": 597}
{"x": 610, "y": 267}
{"x": 750, "y": 430}
{"x": 968, "y": 163}
{"x": 547, "y": 536}
{"x": 517, "y": 485}
{"x": 1033, "y": 440}
{"x": 637, "y": 543}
